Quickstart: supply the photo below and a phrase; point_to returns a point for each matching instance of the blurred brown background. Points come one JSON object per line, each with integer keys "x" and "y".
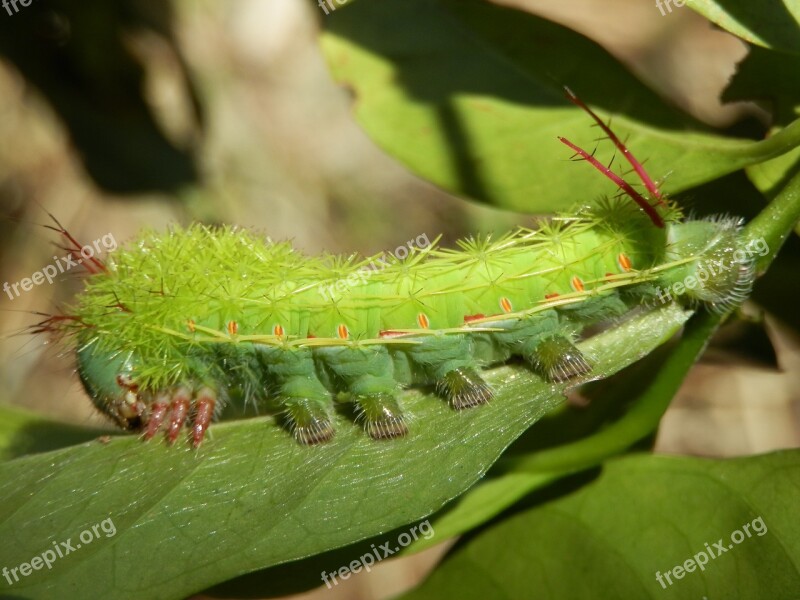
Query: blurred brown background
{"x": 241, "y": 123}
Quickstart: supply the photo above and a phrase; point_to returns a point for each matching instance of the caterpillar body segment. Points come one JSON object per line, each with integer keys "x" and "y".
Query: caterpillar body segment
{"x": 161, "y": 347}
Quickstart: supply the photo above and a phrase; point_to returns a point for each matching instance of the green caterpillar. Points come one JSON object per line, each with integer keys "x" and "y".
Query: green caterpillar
{"x": 178, "y": 323}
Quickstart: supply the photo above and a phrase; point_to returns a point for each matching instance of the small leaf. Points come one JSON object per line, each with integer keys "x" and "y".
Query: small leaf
{"x": 772, "y": 175}
{"x": 767, "y": 77}
{"x": 772, "y": 24}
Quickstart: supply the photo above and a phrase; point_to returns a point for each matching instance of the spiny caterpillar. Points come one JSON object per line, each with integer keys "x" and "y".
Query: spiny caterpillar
{"x": 176, "y": 324}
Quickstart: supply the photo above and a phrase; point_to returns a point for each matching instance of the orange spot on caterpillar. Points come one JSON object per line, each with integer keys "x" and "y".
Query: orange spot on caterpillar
{"x": 277, "y": 330}
{"x": 311, "y": 336}
{"x": 624, "y": 262}
{"x": 609, "y": 275}
{"x": 551, "y": 296}
{"x": 648, "y": 182}
{"x": 233, "y": 327}
{"x": 342, "y": 332}
{"x": 423, "y": 321}
{"x": 190, "y": 325}
{"x": 576, "y": 284}
{"x": 475, "y": 317}
{"x": 505, "y": 304}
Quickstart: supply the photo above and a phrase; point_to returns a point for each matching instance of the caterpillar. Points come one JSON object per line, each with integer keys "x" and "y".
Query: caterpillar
{"x": 174, "y": 326}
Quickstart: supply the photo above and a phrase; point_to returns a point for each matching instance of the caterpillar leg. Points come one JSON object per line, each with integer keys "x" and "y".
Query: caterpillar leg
{"x": 179, "y": 408}
{"x": 382, "y": 416}
{"x": 158, "y": 411}
{"x": 449, "y": 364}
{"x": 304, "y": 398}
{"x": 557, "y": 359}
{"x": 366, "y": 374}
{"x": 463, "y": 388}
{"x": 203, "y": 414}
{"x": 309, "y": 420}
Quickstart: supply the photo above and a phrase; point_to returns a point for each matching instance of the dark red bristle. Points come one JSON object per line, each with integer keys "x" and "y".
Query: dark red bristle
{"x": 637, "y": 166}
{"x": 619, "y": 181}
{"x": 93, "y": 265}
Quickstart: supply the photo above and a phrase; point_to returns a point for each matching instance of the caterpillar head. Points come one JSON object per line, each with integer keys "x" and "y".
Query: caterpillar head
{"x": 110, "y": 379}
{"x": 107, "y": 378}
{"x": 716, "y": 265}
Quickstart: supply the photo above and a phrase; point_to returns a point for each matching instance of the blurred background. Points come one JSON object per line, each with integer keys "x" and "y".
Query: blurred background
{"x": 131, "y": 114}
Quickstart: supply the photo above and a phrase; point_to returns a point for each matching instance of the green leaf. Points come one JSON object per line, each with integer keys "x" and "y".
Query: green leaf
{"x": 652, "y": 383}
{"x": 24, "y": 432}
{"x": 251, "y": 498}
{"x": 772, "y": 175}
{"x": 770, "y": 78}
{"x": 489, "y": 128}
{"x": 775, "y": 223}
{"x": 772, "y": 24}
{"x": 643, "y": 515}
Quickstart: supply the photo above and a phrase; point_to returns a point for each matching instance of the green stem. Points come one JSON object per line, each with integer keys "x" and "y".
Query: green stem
{"x": 776, "y": 222}
{"x": 639, "y": 421}
{"x": 785, "y": 140}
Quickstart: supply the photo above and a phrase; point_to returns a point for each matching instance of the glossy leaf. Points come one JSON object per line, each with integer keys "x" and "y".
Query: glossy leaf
{"x": 489, "y": 128}
{"x": 251, "y": 498}
{"x": 643, "y": 516}
{"x": 771, "y": 23}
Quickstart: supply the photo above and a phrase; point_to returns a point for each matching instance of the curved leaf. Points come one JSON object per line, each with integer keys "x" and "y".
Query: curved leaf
{"x": 653, "y": 384}
{"x": 489, "y": 128}
{"x": 251, "y": 498}
{"x": 769, "y": 23}
{"x": 643, "y": 515}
